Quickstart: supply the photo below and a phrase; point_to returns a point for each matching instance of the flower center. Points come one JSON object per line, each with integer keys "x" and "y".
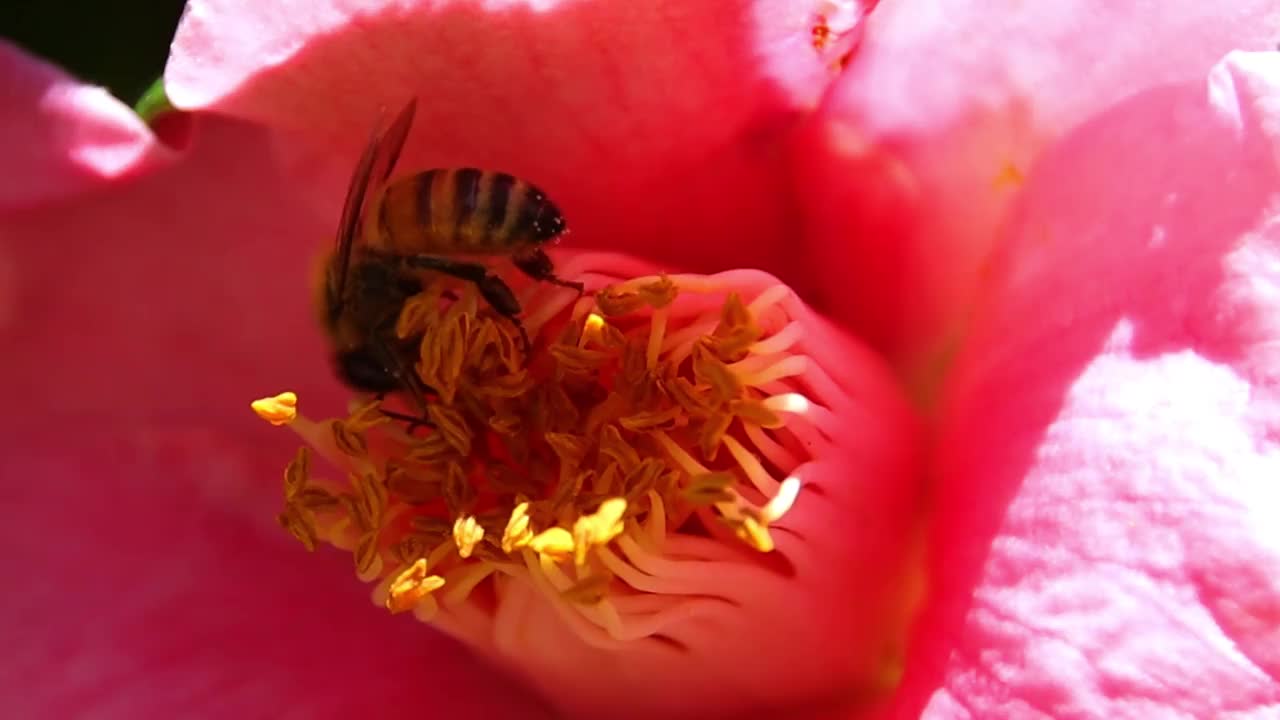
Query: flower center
{"x": 668, "y": 477}
{"x": 635, "y": 433}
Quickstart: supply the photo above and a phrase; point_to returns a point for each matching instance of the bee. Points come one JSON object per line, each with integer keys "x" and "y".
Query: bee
{"x": 434, "y": 221}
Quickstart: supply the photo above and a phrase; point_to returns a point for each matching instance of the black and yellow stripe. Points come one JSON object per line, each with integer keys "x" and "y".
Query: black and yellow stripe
{"x": 462, "y": 211}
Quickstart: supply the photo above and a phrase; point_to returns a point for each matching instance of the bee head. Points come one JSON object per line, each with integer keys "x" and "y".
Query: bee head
{"x": 548, "y": 224}
{"x": 361, "y": 369}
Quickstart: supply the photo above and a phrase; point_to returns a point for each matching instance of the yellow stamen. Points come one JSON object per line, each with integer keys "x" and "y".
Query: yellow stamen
{"x": 367, "y": 558}
{"x": 599, "y": 528}
{"x": 657, "y": 329}
{"x": 452, "y": 426}
{"x": 591, "y": 328}
{"x": 554, "y": 542}
{"x": 756, "y": 412}
{"x": 366, "y": 416}
{"x": 573, "y": 463}
{"x": 781, "y": 503}
{"x": 300, "y": 524}
{"x": 751, "y": 466}
{"x": 297, "y": 473}
{"x": 658, "y": 293}
{"x": 411, "y": 586}
{"x": 517, "y": 534}
{"x": 348, "y": 441}
{"x": 278, "y": 410}
{"x": 755, "y": 533}
{"x": 467, "y": 533}
{"x": 590, "y": 590}
{"x": 710, "y": 488}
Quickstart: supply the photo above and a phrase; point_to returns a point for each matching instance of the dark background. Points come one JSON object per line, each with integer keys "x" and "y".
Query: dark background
{"x": 120, "y": 44}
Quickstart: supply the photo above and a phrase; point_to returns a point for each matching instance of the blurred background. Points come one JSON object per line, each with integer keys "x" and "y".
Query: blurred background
{"x": 121, "y": 44}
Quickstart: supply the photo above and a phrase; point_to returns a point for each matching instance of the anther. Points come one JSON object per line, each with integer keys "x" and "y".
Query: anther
{"x": 279, "y": 409}
{"x": 411, "y": 586}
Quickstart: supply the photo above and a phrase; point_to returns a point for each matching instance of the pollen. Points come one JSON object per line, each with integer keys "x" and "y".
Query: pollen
{"x": 638, "y": 472}
{"x": 554, "y": 542}
{"x": 411, "y": 586}
{"x": 278, "y": 410}
{"x": 598, "y": 529}
{"x": 517, "y": 533}
{"x": 467, "y": 533}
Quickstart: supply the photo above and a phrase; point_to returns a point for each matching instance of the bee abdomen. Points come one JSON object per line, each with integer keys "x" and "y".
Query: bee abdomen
{"x": 467, "y": 211}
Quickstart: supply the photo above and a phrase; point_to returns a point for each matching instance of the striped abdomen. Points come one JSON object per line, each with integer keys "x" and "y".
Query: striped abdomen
{"x": 462, "y": 211}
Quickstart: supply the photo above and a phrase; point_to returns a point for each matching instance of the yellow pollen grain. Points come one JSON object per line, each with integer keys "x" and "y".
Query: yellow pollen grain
{"x": 278, "y": 410}
{"x": 555, "y": 543}
{"x": 754, "y": 533}
{"x": 518, "y": 534}
{"x": 467, "y": 533}
{"x": 591, "y": 328}
{"x": 412, "y": 586}
{"x": 599, "y": 528}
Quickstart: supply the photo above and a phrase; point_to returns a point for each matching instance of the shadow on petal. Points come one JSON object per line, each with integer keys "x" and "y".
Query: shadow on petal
{"x": 659, "y": 131}
{"x": 149, "y": 590}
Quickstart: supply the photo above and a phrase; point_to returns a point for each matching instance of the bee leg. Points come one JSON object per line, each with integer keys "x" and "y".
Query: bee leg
{"x": 535, "y": 263}
{"x": 411, "y": 384}
{"x": 411, "y": 422}
{"x": 492, "y": 288}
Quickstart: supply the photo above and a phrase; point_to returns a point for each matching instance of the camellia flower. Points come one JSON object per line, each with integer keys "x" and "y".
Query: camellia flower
{"x": 926, "y": 366}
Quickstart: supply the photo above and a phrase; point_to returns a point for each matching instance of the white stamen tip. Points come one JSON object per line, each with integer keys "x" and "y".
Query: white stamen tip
{"x": 781, "y": 503}
{"x": 793, "y": 403}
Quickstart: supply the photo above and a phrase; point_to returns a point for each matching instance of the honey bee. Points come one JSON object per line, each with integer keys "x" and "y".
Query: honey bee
{"x": 434, "y": 221}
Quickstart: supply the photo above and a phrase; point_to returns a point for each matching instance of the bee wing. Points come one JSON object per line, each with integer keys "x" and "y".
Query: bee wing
{"x": 376, "y": 164}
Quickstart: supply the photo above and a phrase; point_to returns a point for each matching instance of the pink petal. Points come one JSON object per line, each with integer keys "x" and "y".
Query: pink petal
{"x": 62, "y": 137}
{"x": 944, "y": 109}
{"x": 1106, "y": 544}
{"x": 141, "y": 318}
{"x": 657, "y": 127}
{"x": 186, "y": 294}
{"x": 147, "y": 584}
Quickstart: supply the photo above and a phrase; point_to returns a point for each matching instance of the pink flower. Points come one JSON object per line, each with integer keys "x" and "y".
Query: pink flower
{"x": 1062, "y": 240}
